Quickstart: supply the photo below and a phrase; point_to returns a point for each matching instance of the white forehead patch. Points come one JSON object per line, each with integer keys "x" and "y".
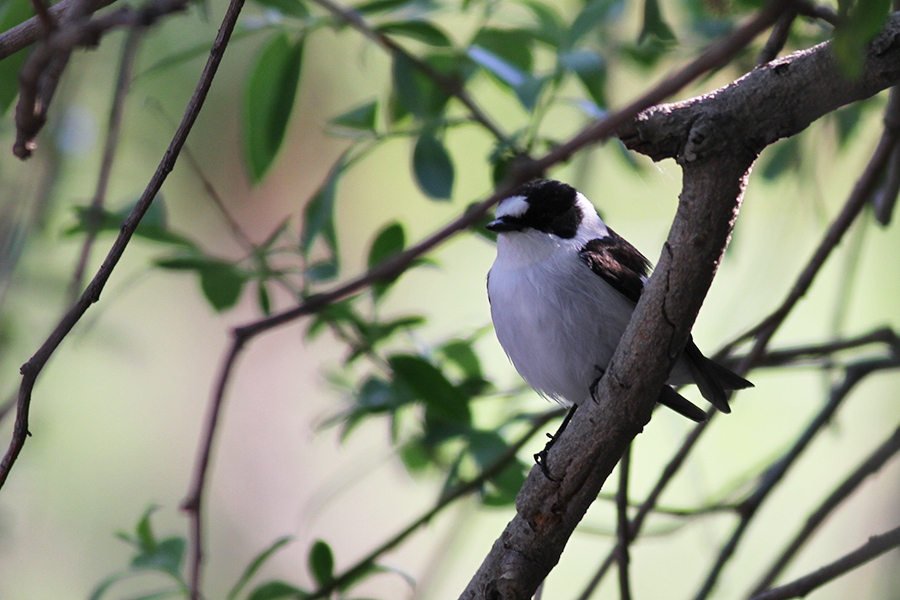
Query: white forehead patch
{"x": 514, "y": 206}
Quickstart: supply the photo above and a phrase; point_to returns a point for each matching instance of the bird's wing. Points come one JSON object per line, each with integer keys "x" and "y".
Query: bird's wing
{"x": 619, "y": 263}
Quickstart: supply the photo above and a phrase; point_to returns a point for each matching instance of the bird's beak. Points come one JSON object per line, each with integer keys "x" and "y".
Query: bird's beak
{"x": 503, "y": 224}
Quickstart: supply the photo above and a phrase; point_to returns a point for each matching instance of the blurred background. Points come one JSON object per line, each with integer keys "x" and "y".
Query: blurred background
{"x": 117, "y": 413}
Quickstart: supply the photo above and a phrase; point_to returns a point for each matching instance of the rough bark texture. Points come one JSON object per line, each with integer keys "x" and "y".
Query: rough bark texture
{"x": 715, "y": 138}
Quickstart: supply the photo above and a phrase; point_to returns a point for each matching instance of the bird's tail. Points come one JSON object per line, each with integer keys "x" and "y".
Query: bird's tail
{"x": 713, "y": 379}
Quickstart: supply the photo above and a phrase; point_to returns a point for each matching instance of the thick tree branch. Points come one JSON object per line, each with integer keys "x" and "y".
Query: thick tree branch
{"x": 715, "y": 138}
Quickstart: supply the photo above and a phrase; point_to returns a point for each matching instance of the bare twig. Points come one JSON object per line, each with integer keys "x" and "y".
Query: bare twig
{"x": 123, "y": 81}
{"x": 623, "y": 525}
{"x": 23, "y": 35}
{"x": 875, "y": 547}
{"x": 827, "y": 350}
{"x": 822, "y": 12}
{"x": 669, "y": 472}
{"x": 778, "y": 37}
{"x": 770, "y": 479}
{"x": 32, "y": 369}
{"x": 888, "y": 449}
{"x": 41, "y": 72}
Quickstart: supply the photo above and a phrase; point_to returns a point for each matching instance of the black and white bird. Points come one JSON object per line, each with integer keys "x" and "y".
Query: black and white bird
{"x": 562, "y": 290}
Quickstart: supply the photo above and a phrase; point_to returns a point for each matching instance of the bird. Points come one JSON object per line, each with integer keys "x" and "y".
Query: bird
{"x": 562, "y": 290}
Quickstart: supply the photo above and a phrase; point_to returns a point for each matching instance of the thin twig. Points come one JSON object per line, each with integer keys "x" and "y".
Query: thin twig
{"x": 113, "y": 129}
{"x": 623, "y": 526}
{"x": 774, "y": 474}
{"x": 778, "y": 37}
{"x": 669, "y": 472}
{"x": 873, "y": 463}
{"x": 875, "y": 547}
{"x": 32, "y": 369}
{"x": 827, "y": 350}
{"x": 40, "y": 74}
{"x": 822, "y": 12}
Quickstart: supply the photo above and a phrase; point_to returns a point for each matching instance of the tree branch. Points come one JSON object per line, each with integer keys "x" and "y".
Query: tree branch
{"x": 24, "y": 34}
{"x": 123, "y": 82}
{"x": 875, "y": 547}
{"x": 873, "y": 463}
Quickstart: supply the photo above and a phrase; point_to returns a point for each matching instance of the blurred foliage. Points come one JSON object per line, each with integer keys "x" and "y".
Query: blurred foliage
{"x": 539, "y": 56}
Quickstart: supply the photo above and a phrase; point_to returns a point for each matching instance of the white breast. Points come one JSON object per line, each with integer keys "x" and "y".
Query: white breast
{"x": 558, "y": 322}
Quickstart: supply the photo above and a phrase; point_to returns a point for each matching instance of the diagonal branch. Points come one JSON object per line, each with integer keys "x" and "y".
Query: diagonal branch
{"x": 875, "y": 547}
{"x": 113, "y": 128}
{"x": 873, "y": 463}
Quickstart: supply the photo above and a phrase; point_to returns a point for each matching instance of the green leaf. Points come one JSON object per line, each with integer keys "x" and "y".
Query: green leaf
{"x": 256, "y": 563}
{"x": 294, "y": 8}
{"x": 318, "y": 215}
{"x": 321, "y": 563}
{"x": 421, "y": 31}
{"x": 263, "y": 300}
{"x": 166, "y": 557}
{"x": 433, "y": 167}
{"x": 592, "y": 15}
{"x": 12, "y": 13}
{"x": 222, "y": 284}
{"x": 104, "y": 585}
{"x": 153, "y": 226}
{"x": 323, "y": 270}
{"x": 389, "y": 242}
{"x": 269, "y": 100}
{"x": 376, "y": 6}
{"x": 417, "y": 92}
{"x": 463, "y": 355}
{"x": 429, "y": 384}
{"x": 654, "y": 23}
{"x": 526, "y": 87}
{"x": 362, "y": 118}
{"x": 276, "y": 590}
{"x": 220, "y": 281}
{"x": 550, "y": 27}
{"x": 145, "y": 539}
{"x": 591, "y": 70}
{"x": 512, "y": 45}
{"x": 858, "y": 22}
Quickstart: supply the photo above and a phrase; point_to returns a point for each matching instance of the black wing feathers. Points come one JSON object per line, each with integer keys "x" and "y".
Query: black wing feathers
{"x": 619, "y": 263}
